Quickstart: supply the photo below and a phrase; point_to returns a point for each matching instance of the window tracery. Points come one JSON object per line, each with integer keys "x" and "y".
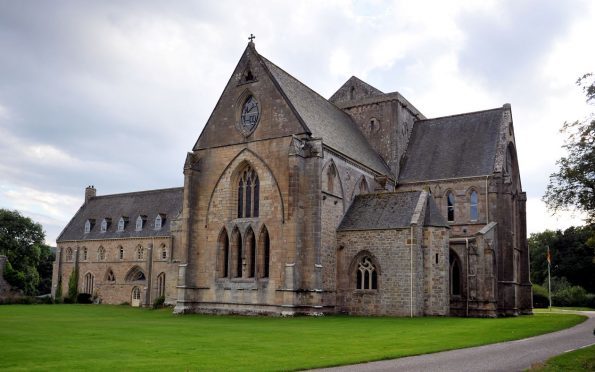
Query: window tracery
{"x": 366, "y": 276}
{"x": 248, "y": 194}
{"x": 140, "y": 253}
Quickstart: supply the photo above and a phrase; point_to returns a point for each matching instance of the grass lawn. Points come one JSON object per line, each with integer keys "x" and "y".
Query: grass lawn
{"x": 77, "y": 337}
{"x": 571, "y": 308}
{"x": 579, "y": 360}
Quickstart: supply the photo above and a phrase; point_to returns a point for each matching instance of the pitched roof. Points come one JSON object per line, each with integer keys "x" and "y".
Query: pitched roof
{"x": 380, "y": 211}
{"x": 325, "y": 120}
{"x": 354, "y": 89}
{"x": 144, "y": 203}
{"x": 453, "y": 146}
{"x": 433, "y": 215}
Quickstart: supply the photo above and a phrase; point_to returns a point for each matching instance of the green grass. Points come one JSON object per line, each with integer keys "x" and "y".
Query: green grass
{"x": 571, "y": 308}
{"x": 579, "y": 360}
{"x": 88, "y": 337}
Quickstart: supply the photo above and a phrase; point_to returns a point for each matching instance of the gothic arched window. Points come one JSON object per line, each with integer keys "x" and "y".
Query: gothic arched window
{"x": 163, "y": 252}
{"x": 89, "y": 282}
{"x": 450, "y": 207}
{"x": 366, "y": 276}
{"x": 161, "y": 285}
{"x": 69, "y": 254}
{"x": 248, "y": 193}
{"x": 473, "y": 206}
{"x": 236, "y": 254}
{"x": 140, "y": 253}
{"x": 135, "y": 274}
{"x": 264, "y": 253}
{"x": 250, "y": 253}
{"x": 101, "y": 254}
{"x": 110, "y": 277}
{"x": 223, "y": 253}
{"x": 331, "y": 173}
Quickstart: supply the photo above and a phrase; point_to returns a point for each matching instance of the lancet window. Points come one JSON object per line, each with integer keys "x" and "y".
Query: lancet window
{"x": 248, "y": 193}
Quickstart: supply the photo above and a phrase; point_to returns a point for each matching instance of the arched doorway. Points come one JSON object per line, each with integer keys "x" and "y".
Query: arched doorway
{"x": 135, "y": 301}
{"x": 455, "y": 275}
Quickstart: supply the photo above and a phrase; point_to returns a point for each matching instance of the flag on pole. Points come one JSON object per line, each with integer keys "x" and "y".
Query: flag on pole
{"x": 549, "y": 256}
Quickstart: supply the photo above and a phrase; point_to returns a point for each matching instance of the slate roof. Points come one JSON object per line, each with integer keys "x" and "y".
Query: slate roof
{"x": 325, "y": 120}
{"x": 131, "y": 205}
{"x": 433, "y": 215}
{"x": 380, "y": 211}
{"x": 453, "y": 146}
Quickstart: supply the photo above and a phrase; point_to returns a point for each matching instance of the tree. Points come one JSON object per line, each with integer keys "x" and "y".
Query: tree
{"x": 73, "y": 285}
{"x": 22, "y": 242}
{"x": 573, "y": 254}
{"x": 573, "y": 186}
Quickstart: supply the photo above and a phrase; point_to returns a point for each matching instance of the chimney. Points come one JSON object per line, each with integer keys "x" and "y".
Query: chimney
{"x": 90, "y": 192}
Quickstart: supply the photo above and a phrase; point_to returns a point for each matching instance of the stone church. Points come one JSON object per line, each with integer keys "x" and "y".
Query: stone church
{"x": 297, "y": 204}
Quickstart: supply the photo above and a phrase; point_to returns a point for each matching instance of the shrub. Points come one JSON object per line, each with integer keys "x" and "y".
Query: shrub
{"x": 540, "y": 296}
{"x": 571, "y": 296}
{"x": 159, "y": 302}
{"x": 84, "y": 298}
{"x": 58, "y": 295}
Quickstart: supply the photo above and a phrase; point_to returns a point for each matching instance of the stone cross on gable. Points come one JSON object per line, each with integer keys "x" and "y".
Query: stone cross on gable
{"x": 252, "y": 37}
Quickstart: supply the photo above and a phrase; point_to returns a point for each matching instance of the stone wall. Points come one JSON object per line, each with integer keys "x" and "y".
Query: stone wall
{"x": 436, "y": 273}
{"x": 386, "y": 121}
{"x": 152, "y": 263}
{"x": 389, "y": 250}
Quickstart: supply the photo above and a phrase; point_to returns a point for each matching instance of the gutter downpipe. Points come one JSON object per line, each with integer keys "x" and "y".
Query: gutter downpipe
{"x": 467, "y": 284}
{"x": 411, "y": 274}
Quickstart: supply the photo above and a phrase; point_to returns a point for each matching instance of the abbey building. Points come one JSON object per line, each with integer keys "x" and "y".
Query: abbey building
{"x": 293, "y": 203}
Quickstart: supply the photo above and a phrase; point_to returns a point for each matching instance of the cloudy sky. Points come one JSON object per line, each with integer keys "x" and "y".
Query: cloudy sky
{"x": 114, "y": 93}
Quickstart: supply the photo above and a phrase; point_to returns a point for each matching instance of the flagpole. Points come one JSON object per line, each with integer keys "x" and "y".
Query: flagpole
{"x": 549, "y": 279}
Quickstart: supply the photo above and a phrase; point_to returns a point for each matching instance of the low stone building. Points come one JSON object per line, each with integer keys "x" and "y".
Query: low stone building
{"x": 293, "y": 203}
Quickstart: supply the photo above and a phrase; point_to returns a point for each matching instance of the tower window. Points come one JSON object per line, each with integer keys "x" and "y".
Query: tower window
{"x": 450, "y": 207}
{"x": 473, "y": 206}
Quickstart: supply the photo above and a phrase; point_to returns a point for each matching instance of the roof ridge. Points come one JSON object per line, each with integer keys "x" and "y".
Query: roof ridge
{"x": 462, "y": 114}
{"x": 307, "y": 87}
{"x": 136, "y": 193}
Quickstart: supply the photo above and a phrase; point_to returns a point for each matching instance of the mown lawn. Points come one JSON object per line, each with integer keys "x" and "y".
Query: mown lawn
{"x": 88, "y": 337}
{"x": 574, "y": 361}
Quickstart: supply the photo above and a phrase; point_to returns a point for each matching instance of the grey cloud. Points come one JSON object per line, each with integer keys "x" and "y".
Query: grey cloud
{"x": 504, "y": 49}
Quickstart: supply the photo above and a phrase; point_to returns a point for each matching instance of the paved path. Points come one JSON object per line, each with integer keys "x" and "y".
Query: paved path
{"x": 506, "y": 356}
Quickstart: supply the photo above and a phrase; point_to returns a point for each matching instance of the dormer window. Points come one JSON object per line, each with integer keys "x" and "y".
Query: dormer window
{"x": 105, "y": 224}
{"x": 140, "y": 222}
{"x": 122, "y": 223}
{"x": 159, "y": 221}
{"x": 89, "y": 225}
